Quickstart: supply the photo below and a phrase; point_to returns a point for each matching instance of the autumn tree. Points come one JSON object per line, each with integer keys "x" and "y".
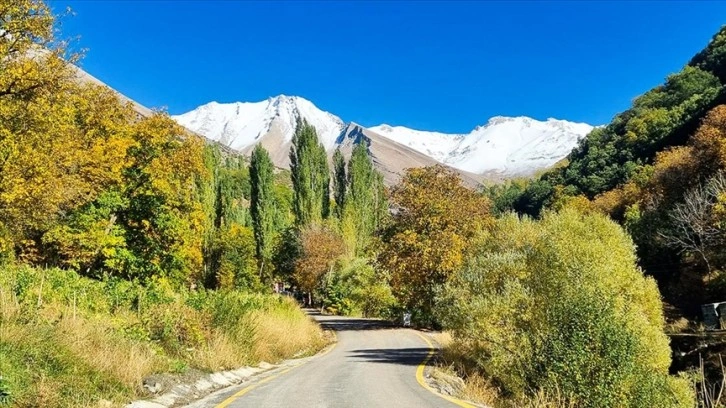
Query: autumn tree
{"x": 32, "y": 60}
{"x": 436, "y": 222}
{"x": 560, "y": 306}
{"x": 164, "y": 219}
{"x": 310, "y": 176}
{"x": 319, "y": 248}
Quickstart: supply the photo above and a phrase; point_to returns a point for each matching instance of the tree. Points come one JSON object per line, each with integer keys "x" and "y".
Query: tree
{"x": 31, "y": 60}
{"x": 164, "y": 220}
{"x": 320, "y": 247}
{"x": 237, "y": 265}
{"x": 339, "y": 182}
{"x": 310, "y": 176}
{"x": 362, "y": 197}
{"x": 694, "y": 228}
{"x": 436, "y": 222}
{"x": 263, "y": 204}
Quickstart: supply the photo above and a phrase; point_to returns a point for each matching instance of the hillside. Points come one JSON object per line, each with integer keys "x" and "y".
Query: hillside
{"x": 657, "y": 169}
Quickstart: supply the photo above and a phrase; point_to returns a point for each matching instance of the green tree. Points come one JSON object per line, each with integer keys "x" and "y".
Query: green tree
{"x": 339, "y": 182}
{"x": 363, "y": 197}
{"x": 263, "y": 205}
{"x": 310, "y": 176}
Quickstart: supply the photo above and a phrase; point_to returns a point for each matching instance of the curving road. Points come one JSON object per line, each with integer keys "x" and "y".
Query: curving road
{"x": 372, "y": 365}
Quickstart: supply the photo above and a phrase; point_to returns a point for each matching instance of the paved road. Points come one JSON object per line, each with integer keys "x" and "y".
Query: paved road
{"x": 372, "y": 365}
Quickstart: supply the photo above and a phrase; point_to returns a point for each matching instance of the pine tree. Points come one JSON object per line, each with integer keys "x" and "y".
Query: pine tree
{"x": 310, "y": 176}
{"x": 339, "y": 182}
{"x": 262, "y": 204}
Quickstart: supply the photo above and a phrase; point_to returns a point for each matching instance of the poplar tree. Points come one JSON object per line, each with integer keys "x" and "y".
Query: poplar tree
{"x": 339, "y": 182}
{"x": 310, "y": 176}
{"x": 262, "y": 204}
{"x": 363, "y": 195}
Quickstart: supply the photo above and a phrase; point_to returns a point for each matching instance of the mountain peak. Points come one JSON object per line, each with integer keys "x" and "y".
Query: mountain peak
{"x": 240, "y": 125}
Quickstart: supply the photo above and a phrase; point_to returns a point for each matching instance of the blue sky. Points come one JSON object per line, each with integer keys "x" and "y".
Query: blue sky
{"x": 445, "y": 66}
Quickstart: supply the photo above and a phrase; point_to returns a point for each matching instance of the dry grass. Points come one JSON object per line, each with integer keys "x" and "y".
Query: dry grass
{"x": 221, "y": 353}
{"x": 479, "y": 389}
{"x": 99, "y": 347}
{"x": 279, "y": 334}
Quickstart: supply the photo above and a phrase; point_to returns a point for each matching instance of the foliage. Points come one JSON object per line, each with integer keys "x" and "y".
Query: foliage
{"x": 356, "y": 287}
{"x": 364, "y": 199}
{"x": 320, "y": 247}
{"x": 437, "y": 221}
{"x": 70, "y": 341}
{"x": 163, "y": 221}
{"x": 237, "y": 266}
{"x": 310, "y": 176}
{"x": 263, "y": 205}
{"x": 559, "y": 305}
{"x": 662, "y": 117}
{"x": 340, "y": 181}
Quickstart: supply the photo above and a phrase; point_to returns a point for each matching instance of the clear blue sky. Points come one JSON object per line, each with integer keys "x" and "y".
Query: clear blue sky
{"x": 445, "y": 66}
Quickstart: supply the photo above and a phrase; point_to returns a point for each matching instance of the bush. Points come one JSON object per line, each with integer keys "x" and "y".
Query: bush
{"x": 559, "y": 306}
{"x": 355, "y": 287}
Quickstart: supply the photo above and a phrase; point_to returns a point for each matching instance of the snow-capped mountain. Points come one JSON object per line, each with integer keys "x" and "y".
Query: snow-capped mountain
{"x": 504, "y": 147}
{"x": 508, "y": 146}
{"x": 240, "y": 125}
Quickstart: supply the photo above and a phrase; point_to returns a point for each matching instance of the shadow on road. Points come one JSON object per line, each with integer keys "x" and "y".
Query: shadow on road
{"x": 354, "y": 324}
{"x": 405, "y": 356}
{"x": 328, "y": 322}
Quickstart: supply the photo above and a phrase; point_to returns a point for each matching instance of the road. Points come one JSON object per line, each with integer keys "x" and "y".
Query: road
{"x": 372, "y": 365}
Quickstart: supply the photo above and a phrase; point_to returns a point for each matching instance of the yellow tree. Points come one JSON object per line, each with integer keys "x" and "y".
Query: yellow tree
{"x": 436, "y": 221}
{"x": 164, "y": 219}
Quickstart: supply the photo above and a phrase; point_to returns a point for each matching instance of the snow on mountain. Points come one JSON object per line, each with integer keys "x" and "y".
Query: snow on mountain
{"x": 508, "y": 146}
{"x": 240, "y": 125}
{"x": 504, "y": 146}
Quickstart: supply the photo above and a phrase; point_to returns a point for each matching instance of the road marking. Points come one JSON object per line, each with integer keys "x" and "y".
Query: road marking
{"x": 423, "y": 383}
{"x": 243, "y": 391}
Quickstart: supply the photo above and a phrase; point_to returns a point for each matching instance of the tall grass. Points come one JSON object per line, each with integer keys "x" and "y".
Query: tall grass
{"x": 68, "y": 341}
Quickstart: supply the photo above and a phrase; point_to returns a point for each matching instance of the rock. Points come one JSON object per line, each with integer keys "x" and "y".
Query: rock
{"x": 151, "y": 386}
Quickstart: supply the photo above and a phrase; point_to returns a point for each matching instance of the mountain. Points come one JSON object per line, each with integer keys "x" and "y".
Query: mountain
{"x": 503, "y": 148}
{"x": 241, "y": 125}
{"x": 390, "y": 157}
{"x": 510, "y": 147}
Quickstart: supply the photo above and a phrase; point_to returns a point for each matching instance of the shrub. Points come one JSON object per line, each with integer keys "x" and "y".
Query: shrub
{"x": 559, "y": 305}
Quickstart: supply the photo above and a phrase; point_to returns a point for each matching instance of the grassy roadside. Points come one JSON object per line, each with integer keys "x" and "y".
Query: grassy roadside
{"x": 69, "y": 341}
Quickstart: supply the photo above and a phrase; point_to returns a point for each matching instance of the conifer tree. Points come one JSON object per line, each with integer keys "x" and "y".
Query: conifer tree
{"x": 262, "y": 204}
{"x": 310, "y": 176}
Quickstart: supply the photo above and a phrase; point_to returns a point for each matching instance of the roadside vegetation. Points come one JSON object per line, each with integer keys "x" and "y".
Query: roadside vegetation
{"x": 70, "y": 341}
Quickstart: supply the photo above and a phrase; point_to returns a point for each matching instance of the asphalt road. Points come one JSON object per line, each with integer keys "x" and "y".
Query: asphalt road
{"x": 372, "y": 365}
